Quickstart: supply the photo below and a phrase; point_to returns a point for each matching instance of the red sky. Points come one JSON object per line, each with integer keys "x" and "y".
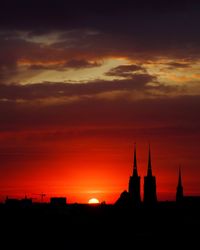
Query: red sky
{"x": 80, "y": 84}
{"x": 81, "y": 164}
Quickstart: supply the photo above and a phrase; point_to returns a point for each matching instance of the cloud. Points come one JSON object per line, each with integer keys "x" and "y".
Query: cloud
{"x": 180, "y": 112}
{"x": 143, "y": 29}
{"x": 71, "y": 64}
{"x": 175, "y": 65}
{"x": 125, "y": 70}
{"x": 19, "y": 57}
{"x": 41, "y": 36}
{"x": 48, "y": 90}
{"x": 66, "y": 13}
{"x": 77, "y": 64}
{"x": 98, "y": 103}
{"x": 140, "y": 31}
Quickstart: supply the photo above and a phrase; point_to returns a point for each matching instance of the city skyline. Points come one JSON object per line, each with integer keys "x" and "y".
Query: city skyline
{"x": 138, "y": 195}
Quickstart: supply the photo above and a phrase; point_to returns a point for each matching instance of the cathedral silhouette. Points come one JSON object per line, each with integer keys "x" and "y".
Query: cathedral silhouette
{"x": 150, "y": 196}
{"x": 133, "y": 196}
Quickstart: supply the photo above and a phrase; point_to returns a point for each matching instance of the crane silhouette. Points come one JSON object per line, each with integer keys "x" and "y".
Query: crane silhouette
{"x": 42, "y": 195}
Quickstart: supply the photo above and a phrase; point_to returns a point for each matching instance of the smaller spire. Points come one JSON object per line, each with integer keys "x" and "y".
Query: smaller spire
{"x": 179, "y": 190}
{"x": 149, "y": 170}
{"x": 135, "y": 173}
{"x": 179, "y": 177}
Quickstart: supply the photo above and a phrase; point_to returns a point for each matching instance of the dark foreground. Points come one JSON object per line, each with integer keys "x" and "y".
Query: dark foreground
{"x": 99, "y": 227}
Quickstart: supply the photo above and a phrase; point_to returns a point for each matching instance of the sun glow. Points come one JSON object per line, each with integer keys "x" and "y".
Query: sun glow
{"x": 93, "y": 201}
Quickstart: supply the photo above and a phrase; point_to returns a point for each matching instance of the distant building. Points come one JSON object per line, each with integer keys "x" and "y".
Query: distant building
{"x": 12, "y": 202}
{"x": 179, "y": 189}
{"x": 58, "y": 201}
{"x": 134, "y": 183}
{"x": 25, "y": 202}
{"x": 191, "y": 201}
{"x": 150, "y": 196}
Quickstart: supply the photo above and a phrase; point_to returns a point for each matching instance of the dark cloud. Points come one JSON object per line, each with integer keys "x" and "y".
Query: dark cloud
{"x": 174, "y": 65}
{"x": 125, "y": 70}
{"x": 72, "y": 64}
{"x": 47, "y": 90}
{"x": 151, "y": 28}
{"x": 180, "y": 112}
{"x": 77, "y": 64}
{"x": 14, "y": 50}
{"x": 79, "y": 13}
{"x": 140, "y": 30}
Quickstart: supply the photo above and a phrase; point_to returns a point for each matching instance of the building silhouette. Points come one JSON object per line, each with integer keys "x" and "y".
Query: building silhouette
{"x": 58, "y": 201}
{"x": 179, "y": 189}
{"x": 134, "y": 183}
{"x": 150, "y": 196}
{"x": 124, "y": 200}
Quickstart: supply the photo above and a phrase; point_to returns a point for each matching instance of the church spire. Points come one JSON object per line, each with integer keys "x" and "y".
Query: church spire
{"x": 179, "y": 190}
{"x": 134, "y": 183}
{"x": 135, "y": 173}
{"x": 179, "y": 178}
{"x": 149, "y": 170}
{"x": 150, "y": 196}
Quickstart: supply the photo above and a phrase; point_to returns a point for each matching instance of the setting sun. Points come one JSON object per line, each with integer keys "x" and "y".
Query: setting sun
{"x": 93, "y": 201}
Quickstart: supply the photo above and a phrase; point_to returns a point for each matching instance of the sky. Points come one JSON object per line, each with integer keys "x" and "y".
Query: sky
{"x": 82, "y": 81}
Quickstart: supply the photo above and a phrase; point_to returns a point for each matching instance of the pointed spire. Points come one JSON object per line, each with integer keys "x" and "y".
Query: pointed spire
{"x": 179, "y": 190}
{"x": 149, "y": 171}
{"x": 179, "y": 178}
{"x": 135, "y": 173}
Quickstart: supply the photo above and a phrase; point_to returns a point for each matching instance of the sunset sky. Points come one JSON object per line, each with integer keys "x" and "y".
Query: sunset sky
{"x": 82, "y": 81}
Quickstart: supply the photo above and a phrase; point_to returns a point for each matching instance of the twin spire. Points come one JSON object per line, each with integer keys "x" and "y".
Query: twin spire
{"x": 149, "y": 169}
{"x": 150, "y": 196}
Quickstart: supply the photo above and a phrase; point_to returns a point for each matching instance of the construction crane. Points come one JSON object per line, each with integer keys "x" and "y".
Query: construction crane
{"x": 42, "y": 195}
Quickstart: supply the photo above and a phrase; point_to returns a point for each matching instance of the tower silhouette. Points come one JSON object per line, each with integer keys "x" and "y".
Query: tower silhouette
{"x": 150, "y": 196}
{"x": 134, "y": 183}
{"x": 179, "y": 190}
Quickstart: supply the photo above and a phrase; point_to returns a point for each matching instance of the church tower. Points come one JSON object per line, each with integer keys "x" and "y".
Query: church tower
{"x": 150, "y": 196}
{"x": 134, "y": 183}
{"x": 179, "y": 190}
